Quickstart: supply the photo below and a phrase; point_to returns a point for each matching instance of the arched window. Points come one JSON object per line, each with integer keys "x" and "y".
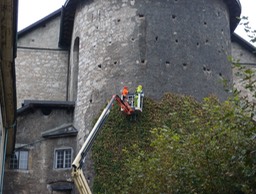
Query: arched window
{"x": 75, "y": 68}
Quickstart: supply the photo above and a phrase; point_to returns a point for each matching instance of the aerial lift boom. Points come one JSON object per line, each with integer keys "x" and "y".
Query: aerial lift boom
{"x": 127, "y": 106}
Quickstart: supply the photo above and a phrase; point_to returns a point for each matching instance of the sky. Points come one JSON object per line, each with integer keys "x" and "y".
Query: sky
{"x": 30, "y": 11}
{"x": 248, "y": 10}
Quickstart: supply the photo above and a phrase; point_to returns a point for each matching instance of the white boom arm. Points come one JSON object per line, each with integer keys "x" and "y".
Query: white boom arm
{"x": 77, "y": 172}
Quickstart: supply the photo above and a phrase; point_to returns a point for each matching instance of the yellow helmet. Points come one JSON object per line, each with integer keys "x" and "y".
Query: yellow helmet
{"x": 139, "y": 88}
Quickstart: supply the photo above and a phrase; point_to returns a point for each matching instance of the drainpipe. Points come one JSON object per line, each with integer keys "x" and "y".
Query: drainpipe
{"x": 3, "y": 150}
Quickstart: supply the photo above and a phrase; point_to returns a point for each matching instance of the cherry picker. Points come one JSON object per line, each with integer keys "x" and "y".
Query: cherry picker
{"x": 129, "y": 105}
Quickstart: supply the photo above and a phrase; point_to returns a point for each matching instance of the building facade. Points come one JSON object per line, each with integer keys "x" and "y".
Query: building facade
{"x": 45, "y": 146}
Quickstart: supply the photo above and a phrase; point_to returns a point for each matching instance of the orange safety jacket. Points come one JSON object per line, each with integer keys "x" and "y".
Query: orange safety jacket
{"x": 125, "y": 92}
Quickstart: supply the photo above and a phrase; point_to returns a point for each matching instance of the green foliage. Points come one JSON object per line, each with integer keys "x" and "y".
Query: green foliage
{"x": 251, "y": 33}
{"x": 210, "y": 152}
{"x": 244, "y": 91}
{"x": 118, "y": 133}
{"x": 177, "y": 145}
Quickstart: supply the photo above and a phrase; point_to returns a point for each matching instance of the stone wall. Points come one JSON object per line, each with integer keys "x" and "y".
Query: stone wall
{"x": 41, "y": 66}
{"x": 247, "y": 60}
{"x": 242, "y": 55}
{"x": 45, "y": 35}
{"x": 41, "y": 74}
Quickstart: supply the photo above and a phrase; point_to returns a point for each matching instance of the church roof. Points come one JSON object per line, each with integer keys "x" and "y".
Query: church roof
{"x": 242, "y": 42}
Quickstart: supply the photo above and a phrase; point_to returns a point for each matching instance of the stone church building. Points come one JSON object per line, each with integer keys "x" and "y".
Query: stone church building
{"x": 72, "y": 61}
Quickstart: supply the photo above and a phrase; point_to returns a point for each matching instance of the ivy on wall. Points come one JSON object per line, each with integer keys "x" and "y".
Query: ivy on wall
{"x": 177, "y": 145}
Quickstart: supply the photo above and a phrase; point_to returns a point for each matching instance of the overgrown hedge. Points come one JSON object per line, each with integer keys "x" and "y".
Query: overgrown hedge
{"x": 177, "y": 145}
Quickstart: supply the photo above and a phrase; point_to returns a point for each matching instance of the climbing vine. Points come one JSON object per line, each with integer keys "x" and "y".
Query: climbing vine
{"x": 177, "y": 145}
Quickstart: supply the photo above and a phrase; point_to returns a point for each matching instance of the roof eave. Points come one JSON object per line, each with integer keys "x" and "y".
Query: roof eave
{"x": 39, "y": 23}
{"x": 29, "y": 105}
{"x": 234, "y": 7}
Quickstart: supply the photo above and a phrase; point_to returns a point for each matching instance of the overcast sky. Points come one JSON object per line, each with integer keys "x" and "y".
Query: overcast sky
{"x": 31, "y": 11}
{"x": 248, "y": 10}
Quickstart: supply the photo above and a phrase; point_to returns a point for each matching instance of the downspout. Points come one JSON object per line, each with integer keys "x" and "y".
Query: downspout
{"x": 4, "y": 157}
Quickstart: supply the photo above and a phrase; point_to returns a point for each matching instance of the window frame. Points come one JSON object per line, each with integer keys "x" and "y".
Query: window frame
{"x": 63, "y": 159}
{"x": 21, "y": 162}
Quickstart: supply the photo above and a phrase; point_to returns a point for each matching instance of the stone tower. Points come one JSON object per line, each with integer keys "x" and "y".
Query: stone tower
{"x": 176, "y": 46}
{"x": 179, "y": 46}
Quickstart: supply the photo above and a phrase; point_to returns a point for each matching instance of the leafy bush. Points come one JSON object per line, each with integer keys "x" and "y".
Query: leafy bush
{"x": 177, "y": 145}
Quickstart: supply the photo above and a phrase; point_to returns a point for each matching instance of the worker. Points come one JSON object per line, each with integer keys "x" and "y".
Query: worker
{"x": 125, "y": 92}
{"x": 139, "y": 90}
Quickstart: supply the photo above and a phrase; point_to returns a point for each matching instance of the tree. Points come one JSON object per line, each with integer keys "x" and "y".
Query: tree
{"x": 212, "y": 151}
